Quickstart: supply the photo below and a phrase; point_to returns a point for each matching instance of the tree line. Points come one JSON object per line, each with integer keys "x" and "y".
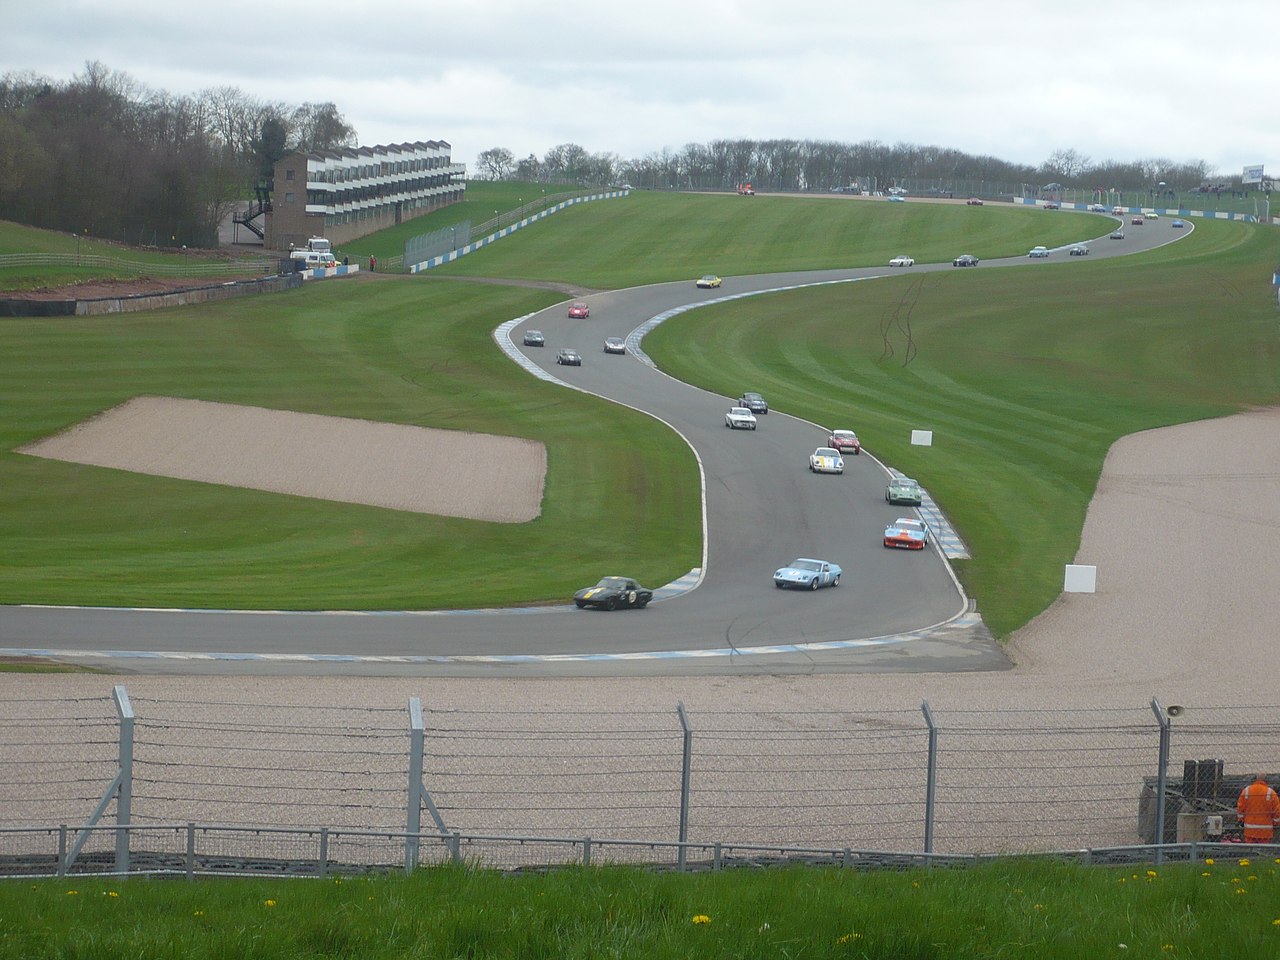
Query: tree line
{"x": 104, "y": 156}
{"x": 823, "y": 165}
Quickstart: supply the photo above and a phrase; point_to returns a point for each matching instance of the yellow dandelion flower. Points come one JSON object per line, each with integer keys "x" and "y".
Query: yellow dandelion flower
{"x": 1240, "y": 890}
{"x": 1209, "y": 861}
{"x": 1151, "y": 873}
{"x": 72, "y": 893}
{"x": 1244, "y": 861}
{"x": 1167, "y": 946}
{"x": 1206, "y": 874}
{"x": 198, "y": 913}
{"x": 270, "y": 903}
{"x": 916, "y": 884}
{"x": 1251, "y": 877}
{"x": 701, "y": 919}
{"x": 1276, "y": 922}
{"x": 1037, "y": 906}
{"x": 849, "y": 938}
{"x": 112, "y": 893}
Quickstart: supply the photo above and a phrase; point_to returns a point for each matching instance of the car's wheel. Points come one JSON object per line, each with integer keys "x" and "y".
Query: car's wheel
{"x": 611, "y": 604}
{"x": 835, "y": 582}
{"x": 813, "y": 584}
{"x": 641, "y": 604}
{"x": 753, "y": 426}
{"x": 778, "y": 584}
{"x": 580, "y": 603}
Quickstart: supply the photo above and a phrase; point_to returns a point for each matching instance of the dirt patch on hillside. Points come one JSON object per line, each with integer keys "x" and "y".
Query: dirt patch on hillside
{"x": 397, "y": 466}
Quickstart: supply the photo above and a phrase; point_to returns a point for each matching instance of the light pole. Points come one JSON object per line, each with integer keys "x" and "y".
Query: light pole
{"x": 544, "y": 198}
{"x": 520, "y": 200}
{"x": 453, "y": 241}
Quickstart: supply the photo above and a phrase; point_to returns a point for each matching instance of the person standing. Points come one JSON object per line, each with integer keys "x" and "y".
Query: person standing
{"x": 1259, "y": 809}
{"x": 372, "y": 263}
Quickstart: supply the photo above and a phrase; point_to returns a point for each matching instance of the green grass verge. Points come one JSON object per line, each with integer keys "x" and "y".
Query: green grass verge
{"x": 1026, "y": 377}
{"x": 654, "y": 237}
{"x": 404, "y": 351}
{"x": 1013, "y": 910}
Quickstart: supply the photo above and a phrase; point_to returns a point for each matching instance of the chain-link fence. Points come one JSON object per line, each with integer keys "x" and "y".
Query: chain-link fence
{"x": 927, "y": 781}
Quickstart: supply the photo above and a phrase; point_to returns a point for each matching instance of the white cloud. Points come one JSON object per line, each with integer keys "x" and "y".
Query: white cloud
{"x": 1009, "y": 79}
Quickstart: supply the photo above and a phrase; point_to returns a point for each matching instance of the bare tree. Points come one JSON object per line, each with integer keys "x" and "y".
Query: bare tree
{"x": 496, "y": 162}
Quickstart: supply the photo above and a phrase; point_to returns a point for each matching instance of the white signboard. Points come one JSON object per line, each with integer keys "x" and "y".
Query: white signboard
{"x": 922, "y": 438}
{"x": 1080, "y": 578}
{"x": 1252, "y": 174}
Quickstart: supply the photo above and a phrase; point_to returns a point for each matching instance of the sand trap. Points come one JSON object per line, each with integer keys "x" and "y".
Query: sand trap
{"x": 444, "y": 472}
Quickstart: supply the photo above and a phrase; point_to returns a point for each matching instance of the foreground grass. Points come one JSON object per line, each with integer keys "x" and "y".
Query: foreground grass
{"x": 394, "y": 350}
{"x": 1026, "y": 377}
{"x": 1015, "y": 910}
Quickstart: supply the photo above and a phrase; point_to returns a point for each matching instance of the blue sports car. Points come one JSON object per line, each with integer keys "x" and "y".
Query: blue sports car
{"x": 809, "y": 574}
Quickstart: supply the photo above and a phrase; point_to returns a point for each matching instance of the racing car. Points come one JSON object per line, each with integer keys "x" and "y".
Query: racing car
{"x": 826, "y": 460}
{"x": 613, "y": 592}
{"x": 810, "y": 574}
{"x": 903, "y": 490}
{"x": 905, "y": 532}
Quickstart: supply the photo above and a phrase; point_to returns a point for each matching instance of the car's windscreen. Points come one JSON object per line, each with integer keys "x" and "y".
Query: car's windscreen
{"x": 807, "y": 565}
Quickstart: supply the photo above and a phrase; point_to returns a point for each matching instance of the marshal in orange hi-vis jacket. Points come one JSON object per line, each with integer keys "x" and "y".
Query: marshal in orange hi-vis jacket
{"x": 1259, "y": 809}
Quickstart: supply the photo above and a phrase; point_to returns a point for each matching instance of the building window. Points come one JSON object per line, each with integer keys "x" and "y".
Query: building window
{"x": 288, "y": 174}
{"x": 288, "y": 198}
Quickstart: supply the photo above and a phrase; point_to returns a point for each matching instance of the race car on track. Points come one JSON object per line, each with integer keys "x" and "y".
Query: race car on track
{"x": 897, "y": 199}
{"x": 1177, "y": 224}
{"x": 973, "y": 202}
{"x": 965, "y": 260}
{"x": 740, "y": 418}
{"x": 579, "y": 311}
{"x": 1078, "y": 250}
{"x": 570, "y": 358}
{"x": 615, "y": 345}
{"x": 902, "y": 260}
{"x": 1136, "y": 222}
{"x": 1037, "y": 253}
{"x": 1153, "y": 215}
{"x": 707, "y": 282}
{"x": 1117, "y": 234}
{"x": 1097, "y": 208}
{"x": 534, "y": 338}
{"x": 826, "y": 460}
{"x": 846, "y": 441}
{"x": 753, "y": 402}
{"x": 905, "y": 532}
{"x": 614, "y": 592}
{"x": 809, "y": 574}
{"x": 904, "y": 490}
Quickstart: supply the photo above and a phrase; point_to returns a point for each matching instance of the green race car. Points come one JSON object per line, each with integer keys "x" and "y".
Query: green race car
{"x": 903, "y": 490}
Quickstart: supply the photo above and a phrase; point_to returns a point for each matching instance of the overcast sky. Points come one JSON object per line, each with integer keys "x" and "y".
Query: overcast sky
{"x": 1118, "y": 80}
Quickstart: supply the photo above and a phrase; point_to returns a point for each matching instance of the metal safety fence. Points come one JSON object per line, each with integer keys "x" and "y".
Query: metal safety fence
{"x": 927, "y": 781}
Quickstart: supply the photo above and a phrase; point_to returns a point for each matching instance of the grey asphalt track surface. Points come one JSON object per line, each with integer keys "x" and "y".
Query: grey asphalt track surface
{"x": 893, "y": 611}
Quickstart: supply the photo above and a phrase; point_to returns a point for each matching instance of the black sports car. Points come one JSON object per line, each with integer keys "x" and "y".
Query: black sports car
{"x": 753, "y": 402}
{"x": 612, "y": 593}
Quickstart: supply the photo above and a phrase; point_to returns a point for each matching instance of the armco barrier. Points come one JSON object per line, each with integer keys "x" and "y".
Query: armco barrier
{"x": 507, "y": 231}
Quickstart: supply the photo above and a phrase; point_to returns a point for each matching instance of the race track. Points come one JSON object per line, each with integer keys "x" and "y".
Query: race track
{"x": 893, "y": 611}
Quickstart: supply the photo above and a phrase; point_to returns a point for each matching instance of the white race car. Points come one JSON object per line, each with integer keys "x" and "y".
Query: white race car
{"x": 902, "y": 260}
{"x": 808, "y": 574}
{"x": 740, "y": 418}
{"x": 826, "y": 460}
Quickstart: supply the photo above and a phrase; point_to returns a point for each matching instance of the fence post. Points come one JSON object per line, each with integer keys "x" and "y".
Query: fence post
{"x": 684, "y": 782}
{"x": 413, "y": 819}
{"x": 124, "y": 798}
{"x": 62, "y": 849}
{"x": 931, "y": 781}
{"x": 586, "y": 851}
{"x": 1162, "y": 776}
{"x": 191, "y": 851}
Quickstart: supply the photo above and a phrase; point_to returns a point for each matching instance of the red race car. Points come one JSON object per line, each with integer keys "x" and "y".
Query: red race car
{"x": 579, "y": 311}
{"x": 905, "y": 532}
{"x": 846, "y": 441}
